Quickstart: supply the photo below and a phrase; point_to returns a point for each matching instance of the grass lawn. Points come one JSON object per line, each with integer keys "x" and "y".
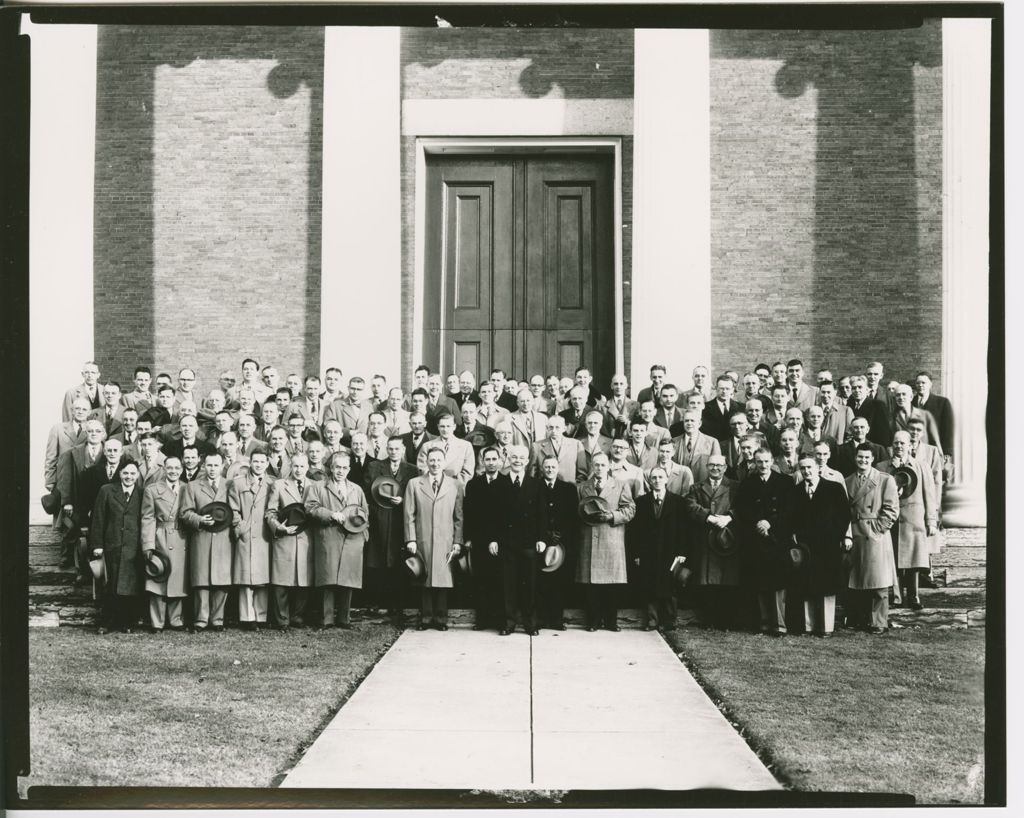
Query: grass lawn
{"x": 231, "y": 709}
{"x": 901, "y": 713}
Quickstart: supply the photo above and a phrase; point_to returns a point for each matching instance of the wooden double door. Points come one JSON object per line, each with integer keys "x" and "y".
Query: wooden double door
{"x": 519, "y": 266}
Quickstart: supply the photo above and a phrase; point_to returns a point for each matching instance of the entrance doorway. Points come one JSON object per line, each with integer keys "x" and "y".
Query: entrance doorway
{"x": 519, "y": 265}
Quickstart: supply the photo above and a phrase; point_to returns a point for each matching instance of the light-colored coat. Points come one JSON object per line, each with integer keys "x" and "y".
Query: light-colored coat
{"x": 837, "y": 422}
{"x": 252, "y": 534}
{"x": 113, "y": 423}
{"x": 697, "y": 460}
{"x": 291, "y": 555}
{"x": 528, "y": 428}
{"x": 312, "y": 415}
{"x": 916, "y": 511}
{"x": 623, "y": 414}
{"x": 572, "y": 462}
{"x": 680, "y": 479}
{"x": 435, "y": 524}
{"x": 632, "y": 476}
{"x": 874, "y": 509}
{"x": 645, "y": 458}
{"x": 492, "y": 415}
{"x": 163, "y": 531}
{"x": 337, "y": 555}
{"x": 459, "y": 461}
{"x": 76, "y": 392}
{"x": 602, "y": 557}
{"x": 209, "y": 551}
{"x": 592, "y": 447}
{"x": 352, "y": 417}
{"x": 396, "y": 422}
{"x": 61, "y": 439}
{"x": 930, "y": 457}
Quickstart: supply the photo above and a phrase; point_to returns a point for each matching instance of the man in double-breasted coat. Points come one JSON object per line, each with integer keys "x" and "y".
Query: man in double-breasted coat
{"x": 561, "y": 525}
{"x": 601, "y": 566}
{"x": 385, "y": 550}
{"x": 162, "y": 531}
{"x": 874, "y": 510}
{"x": 657, "y": 539}
{"x": 485, "y": 496}
{"x": 337, "y": 552}
{"x": 433, "y": 528}
{"x": 291, "y": 555}
{"x": 250, "y": 568}
{"x": 209, "y": 551}
{"x": 716, "y": 573}
{"x": 114, "y": 534}
{"x": 522, "y": 542}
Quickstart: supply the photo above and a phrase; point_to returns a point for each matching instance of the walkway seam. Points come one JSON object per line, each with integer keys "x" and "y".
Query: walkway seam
{"x": 531, "y": 711}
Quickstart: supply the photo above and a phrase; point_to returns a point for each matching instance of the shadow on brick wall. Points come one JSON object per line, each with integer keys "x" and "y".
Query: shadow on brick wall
{"x": 126, "y": 122}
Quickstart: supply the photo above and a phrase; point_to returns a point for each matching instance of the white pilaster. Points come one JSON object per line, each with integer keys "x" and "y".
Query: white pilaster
{"x": 966, "y": 63}
{"x": 63, "y": 123}
{"x": 671, "y": 318}
{"x": 361, "y": 310}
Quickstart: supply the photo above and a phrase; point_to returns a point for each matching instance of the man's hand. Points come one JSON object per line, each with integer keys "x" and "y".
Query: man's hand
{"x": 540, "y": 547}
{"x": 411, "y": 547}
{"x": 492, "y": 549}
{"x": 675, "y": 562}
{"x": 206, "y": 519}
{"x": 847, "y": 543}
{"x": 395, "y": 500}
{"x": 931, "y": 529}
{"x": 291, "y": 529}
{"x": 97, "y": 552}
{"x": 763, "y": 527}
{"x": 607, "y": 516}
{"x": 456, "y": 549}
{"x": 338, "y": 517}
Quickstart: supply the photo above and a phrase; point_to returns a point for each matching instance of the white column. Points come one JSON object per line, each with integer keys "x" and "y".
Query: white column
{"x": 62, "y": 146}
{"x": 966, "y": 55}
{"x": 361, "y": 309}
{"x": 671, "y": 319}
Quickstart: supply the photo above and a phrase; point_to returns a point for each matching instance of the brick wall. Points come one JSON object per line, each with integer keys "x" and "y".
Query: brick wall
{"x": 208, "y": 175}
{"x": 826, "y": 156}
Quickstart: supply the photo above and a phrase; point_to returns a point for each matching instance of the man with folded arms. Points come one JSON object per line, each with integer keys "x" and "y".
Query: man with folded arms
{"x": 162, "y": 531}
{"x": 291, "y": 556}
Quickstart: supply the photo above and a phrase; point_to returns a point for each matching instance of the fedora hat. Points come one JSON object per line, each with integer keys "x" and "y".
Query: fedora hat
{"x": 51, "y": 502}
{"x": 463, "y": 563}
{"x": 906, "y": 480}
{"x": 722, "y": 541}
{"x": 681, "y": 574}
{"x": 67, "y": 521}
{"x": 353, "y": 519}
{"x": 221, "y": 513}
{"x": 294, "y": 514}
{"x": 309, "y": 435}
{"x": 383, "y": 489}
{"x": 478, "y": 438}
{"x": 157, "y": 566}
{"x": 554, "y": 557}
{"x": 98, "y": 566}
{"x": 795, "y": 557}
{"x": 415, "y": 568}
{"x": 590, "y": 507}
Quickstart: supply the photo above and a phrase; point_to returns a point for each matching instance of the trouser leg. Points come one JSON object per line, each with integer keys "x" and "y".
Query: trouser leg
{"x": 175, "y": 611}
{"x": 610, "y": 605}
{"x": 327, "y": 604}
{"x": 528, "y": 589}
{"x": 246, "y": 603}
{"x": 201, "y": 606}
{"x": 218, "y": 602}
{"x": 280, "y": 610}
{"x": 878, "y": 600}
{"x": 593, "y": 606}
{"x": 157, "y": 610}
{"x": 441, "y": 606}
{"x": 650, "y": 614}
{"x": 509, "y": 568}
{"x": 426, "y": 606}
{"x": 344, "y": 603}
{"x": 260, "y": 597}
{"x": 299, "y": 602}
{"x": 773, "y": 610}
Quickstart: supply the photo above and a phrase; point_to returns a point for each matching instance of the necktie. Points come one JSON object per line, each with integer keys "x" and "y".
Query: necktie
{"x": 515, "y": 481}
{"x": 110, "y": 472}
{"x": 810, "y": 491}
{"x": 551, "y": 486}
{"x": 127, "y": 496}
{"x": 300, "y": 485}
{"x": 446, "y": 447}
{"x": 689, "y": 445}
{"x": 599, "y": 485}
{"x": 714, "y": 485}
{"x": 435, "y": 483}
{"x": 376, "y": 450}
{"x": 77, "y": 427}
{"x": 504, "y": 453}
{"x": 214, "y": 485}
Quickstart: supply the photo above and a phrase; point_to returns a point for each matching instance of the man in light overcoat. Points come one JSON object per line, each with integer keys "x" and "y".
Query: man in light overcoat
{"x": 162, "y": 531}
{"x": 291, "y": 555}
{"x": 250, "y": 568}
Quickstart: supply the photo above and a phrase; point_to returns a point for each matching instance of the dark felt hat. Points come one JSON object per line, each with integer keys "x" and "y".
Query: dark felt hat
{"x": 463, "y": 563}
{"x": 67, "y": 521}
{"x": 479, "y": 438}
{"x": 906, "y": 480}
{"x": 51, "y": 502}
{"x": 157, "y": 566}
{"x": 383, "y": 489}
{"x": 294, "y": 514}
{"x": 554, "y": 557}
{"x": 795, "y": 557}
{"x": 681, "y": 574}
{"x": 221, "y": 513}
{"x": 590, "y": 507}
{"x": 98, "y": 566}
{"x": 415, "y": 568}
{"x": 354, "y": 519}
{"x": 722, "y": 541}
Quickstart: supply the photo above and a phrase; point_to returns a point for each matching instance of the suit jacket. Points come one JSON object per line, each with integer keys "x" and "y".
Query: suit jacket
{"x": 716, "y": 424}
{"x": 61, "y": 439}
{"x": 113, "y": 423}
{"x": 352, "y": 417}
{"x": 507, "y": 401}
{"x": 527, "y": 429}
{"x": 139, "y": 401}
{"x": 485, "y": 431}
{"x": 251, "y": 445}
{"x": 573, "y": 422}
{"x": 644, "y": 457}
{"x": 771, "y": 434}
{"x": 680, "y": 479}
{"x": 175, "y": 448}
{"x": 523, "y": 520}
{"x": 80, "y": 391}
{"x": 877, "y": 415}
{"x": 656, "y": 434}
{"x": 572, "y": 460}
{"x": 668, "y": 419}
{"x": 656, "y": 537}
{"x": 819, "y": 523}
{"x": 483, "y": 511}
{"x": 696, "y": 460}
{"x": 459, "y": 461}
{"x": 838, "y": 418}
{"x": 942, "y": 410}
{"x": 395, "y": 422}
{"x": 72, "y": 484}
{"x": 931, "y": 428}
{"x": 460, "y": 398}
{"x": 846, "y": 457}
{"x": 885, "y": 396}
{"x": 648, "y": 393}
{"x": 444, "y": 406}
{"x": 806, "y": 397}
{"x": 412, "y": 450}
{"x": 313, "y": 415}
{"x": 616, "y": 418}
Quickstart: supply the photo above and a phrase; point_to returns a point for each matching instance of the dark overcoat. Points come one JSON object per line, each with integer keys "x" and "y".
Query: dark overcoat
{"x": 708, "y": 566}
{"x": 820, "y": 523}
{"x": 657, "y": 540}
{"x": 761, "y": 565}
{"x": 116, "y": 528}
{"x": 386, "y": 547}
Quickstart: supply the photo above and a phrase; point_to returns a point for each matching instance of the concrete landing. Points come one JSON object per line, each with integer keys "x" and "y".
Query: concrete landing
{"x": 564, "y": 710}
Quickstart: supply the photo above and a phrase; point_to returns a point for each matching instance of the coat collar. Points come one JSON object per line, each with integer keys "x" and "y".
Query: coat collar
{"x": 869, "y": 485}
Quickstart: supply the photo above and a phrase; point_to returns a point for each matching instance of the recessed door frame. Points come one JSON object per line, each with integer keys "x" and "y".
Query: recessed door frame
{"x": 530, "y": 146}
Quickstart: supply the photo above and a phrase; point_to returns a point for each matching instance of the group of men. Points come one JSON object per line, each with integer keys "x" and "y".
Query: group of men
{"x": 760, "y": 498}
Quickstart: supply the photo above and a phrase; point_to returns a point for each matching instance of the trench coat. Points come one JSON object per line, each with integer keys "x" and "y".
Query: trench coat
{"x": 709, "y": 567}
{"x": 435, "y": 523}
{"x": 115, "y": 528}
{"x": 913, "y": 543}
{"x": 291, "y": 555}
{"x": 337, "y": 555}
{"x": 874, "y": 510}
{"x": 251, "y": 532}
{"x": 602, "y": 554}
{"x": 930, "y": 457}
{"x": 209, "y": 552}
{"x": 162, "y": 531}
{"x": 387, "y": 525}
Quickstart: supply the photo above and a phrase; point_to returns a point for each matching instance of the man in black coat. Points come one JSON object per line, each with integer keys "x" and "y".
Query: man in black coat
{"x": 522, "y": 544}
{"x": 561, "y": 525}
{"x": 759, "y": 512}
{"x": 418, "y": 435}
{"x": 846, "y": 456}
{"x": 818, "y": 518}
{"x": 940, "y": 407}
{"x": 657, "y": 539}
{"x": 482, "y": 516}
{"x": 871, "y": 409}
{"x": 716, "y": 414}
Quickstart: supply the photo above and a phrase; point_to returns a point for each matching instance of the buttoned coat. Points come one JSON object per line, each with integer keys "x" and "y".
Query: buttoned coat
{"x": 656, "y": 540}
{"x": 876, "y": 413}
{"x": 115, "y": 528}
{"x": 291, "y": 555}
{"x": 61, "y": 439}
{"x": 111, "y": 424}
{"x": 163, "y": 531}
{"x": 387, "y": 525}
{"x": 916, "y": 511}
{"x": 602, "y": 553}
{"x": 697, "y": 460}
{"x": 572, "y": 461}
{"x": 715, "y": 423}
{"x": 337, "y": 554}
{"x": 838, "y": 418}
{"x": 459, "y": 460}
{"x": 435, "y": 524}
{"x": 760, "y": 556}
{"x": 874, "y": 510}
{"x": 708, "y": 566}
{"x": 209, "y": 551}
{"x": 820, "y": 522}
{"x": 72, "y": 485}
{"x": 942, "y": 410}
{"x": 353, "y": 417}
{"x": 251, "y": 532}
{"x": 680, "y": 478}
{"x": 617, "y": 417}
{"x": 528, "y": 428}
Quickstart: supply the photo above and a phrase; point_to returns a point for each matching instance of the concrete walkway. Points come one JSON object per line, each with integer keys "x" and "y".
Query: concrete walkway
{"x": 563, "y": 710}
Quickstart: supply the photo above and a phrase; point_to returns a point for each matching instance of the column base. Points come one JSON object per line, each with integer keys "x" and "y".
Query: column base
{"x": 963, "y": 506}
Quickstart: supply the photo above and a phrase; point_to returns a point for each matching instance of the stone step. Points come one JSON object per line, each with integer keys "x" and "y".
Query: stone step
{"x": 937, "y": 618}
{"x": 966, "y": 537}
{"x": 964, "y": 576}
{"x": 958, "y": 555}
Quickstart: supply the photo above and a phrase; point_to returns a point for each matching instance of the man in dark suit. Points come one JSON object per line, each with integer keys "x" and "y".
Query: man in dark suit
{"x": 480, "y": 436}
{"x": 189, "y": 438}
{"x": 653, "y": 392}
{"x": 874, "y": 411}
{"x": 561, "y": 525}
{"x": 576, "y": 412}
{"x": 485, "y": 495}
{"x": 878, "y": 386}
{"x": 754, "y": 409}
{"x": 818, "y": 517}
{"x": 522, "y": 543}
{"x": 467, "y": 389}
{"x": 716, "y": 414}
{"x": 940, "y": 408}
{"x": 846, "y": 458}
{"x": 417, "y": 436}
{"x": 503, "y": 398}
{"x": 657, "y": 539}
{"x": 75, "y": 495}
{"x": 668, "y": 414}
{"x": 109, "y": 413}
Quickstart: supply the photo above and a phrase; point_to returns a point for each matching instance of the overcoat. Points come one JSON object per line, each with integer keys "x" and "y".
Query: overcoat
{"x": 874, "y": 509}
{"x": 657, "y": 540}
{"x": 435, "y": 523}
{"x": 209, "y": 551}
{"x": 251, "y": 531}
{"x": 820, "y": 522}
{"x": 162, "y": 531}
{"x": 914, "y": 544}
{"x": 572, "y": 462}
{"x": 760, "y": 556}
{"x": 291, "y": 555}
{"x": 459, "y": 459}
{"x": 337, "y": 554}
{"x": 72, "y": 482}
{"x": 696, "y": 460}
{"x": 602, "y": 553}
{"x": 708, "y": 566}
{"x": 617, "y": 417}
{"x": 930, "y": 457}
{"x": 115, "y": 529}
{"x": 387, "y": 529}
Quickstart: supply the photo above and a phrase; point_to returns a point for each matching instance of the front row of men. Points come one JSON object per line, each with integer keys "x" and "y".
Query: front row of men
{"x": 812, "y": 537}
